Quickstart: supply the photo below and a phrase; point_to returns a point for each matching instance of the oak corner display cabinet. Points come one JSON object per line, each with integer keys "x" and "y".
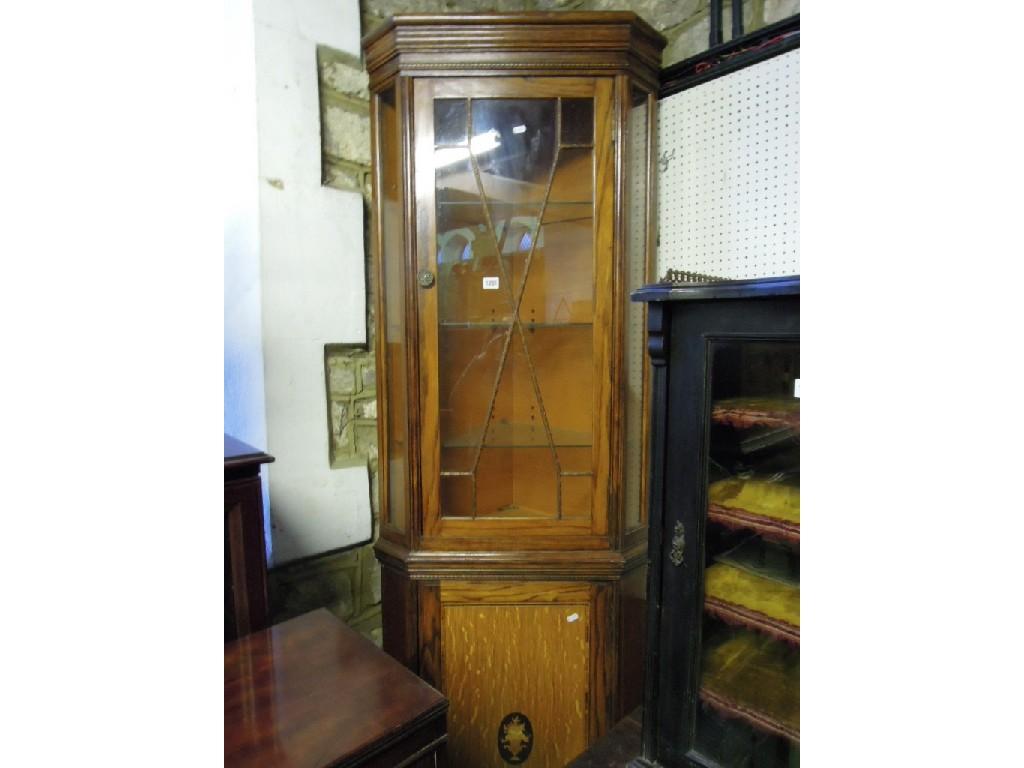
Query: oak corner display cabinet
{"x": 512, "y": 167}
{"x": 723, "y": 664}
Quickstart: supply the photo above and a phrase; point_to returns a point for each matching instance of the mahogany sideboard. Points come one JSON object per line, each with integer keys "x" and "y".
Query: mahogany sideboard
{"x": 245, "y": 554}
{"x": 313, "y": 693}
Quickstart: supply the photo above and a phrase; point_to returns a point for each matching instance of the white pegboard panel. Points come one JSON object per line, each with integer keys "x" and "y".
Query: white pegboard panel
{"x": 729, "y": 174}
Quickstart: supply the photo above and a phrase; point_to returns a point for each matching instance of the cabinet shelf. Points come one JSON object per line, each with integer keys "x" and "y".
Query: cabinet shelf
{"x": 450, "y": 325}
{"x": 541, "y": 443}
{"x": 756, "y": 680}
{"x": 515, "y": 512}
{"x": 463, "y": 213}
{"x": 746, "y": 412}
{"x": 519, "y": 435}
{"x": 739, "y": 597}
{"x": 770, "y": 509}
{"x": 766, "y": 526}
{"x": 521, "y": 205}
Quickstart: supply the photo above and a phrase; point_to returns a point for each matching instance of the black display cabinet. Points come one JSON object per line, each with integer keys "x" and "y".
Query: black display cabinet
{"x": 722, "y": 679}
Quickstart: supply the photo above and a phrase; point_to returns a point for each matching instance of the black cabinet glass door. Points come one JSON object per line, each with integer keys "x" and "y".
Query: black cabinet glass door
{"x": 749, "y": 681}
{"x": 723, "y": 666}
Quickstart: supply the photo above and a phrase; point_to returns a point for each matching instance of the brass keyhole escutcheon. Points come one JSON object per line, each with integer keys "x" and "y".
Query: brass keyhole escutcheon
{"x": 426, "y": 278}
{"x": 675, "y": 555}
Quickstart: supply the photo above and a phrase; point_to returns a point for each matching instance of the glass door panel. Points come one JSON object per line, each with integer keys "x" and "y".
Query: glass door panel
{"x": 514, "y": 212}
{"x": 749, "y": 712}
{"x": 638, "y": 190}
{"x": 395, "y": 408}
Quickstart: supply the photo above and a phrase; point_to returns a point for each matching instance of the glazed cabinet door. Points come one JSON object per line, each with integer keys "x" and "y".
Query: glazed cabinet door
{"x": 514, "y": 219}
{"x": 724, "y": 681}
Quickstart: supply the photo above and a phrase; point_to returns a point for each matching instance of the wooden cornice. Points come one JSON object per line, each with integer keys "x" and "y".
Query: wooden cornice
{"x": 540, "y": 43}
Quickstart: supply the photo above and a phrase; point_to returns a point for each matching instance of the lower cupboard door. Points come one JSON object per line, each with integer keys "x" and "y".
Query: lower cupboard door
{"x": 517, "y": 677}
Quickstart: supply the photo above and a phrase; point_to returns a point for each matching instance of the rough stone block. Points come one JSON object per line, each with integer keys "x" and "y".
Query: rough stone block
{"x": 366, "y": 440}
{"x": 343, "y": 605}
{"x": 660, "y": 14}
{"x": 341, "y": 427}
{"x": 341, "y": 378}
{"x": 686, "y": 42}
{"x": 343, "y": 560}
{"x": 777, "y": 10}
{"x": 374, "y": 491}
{"x": 347, "y": 176}
{"x": 373, "y": 16}
{"x": 346, "y": 133}
{"x": 370, "y": 378}
{"x": 366, "y": 409}
{"x": 348, "y": 77}
{"x": 558, "y": 5}
{"x": 471, "y": 6}
{"x": 370, "y": 585}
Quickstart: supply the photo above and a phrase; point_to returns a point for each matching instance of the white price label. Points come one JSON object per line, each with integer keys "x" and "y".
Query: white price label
{"x": 490, "y": 283}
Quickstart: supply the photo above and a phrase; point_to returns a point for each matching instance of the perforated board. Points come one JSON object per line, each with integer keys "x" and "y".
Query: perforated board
{"x": 729, "y": 174}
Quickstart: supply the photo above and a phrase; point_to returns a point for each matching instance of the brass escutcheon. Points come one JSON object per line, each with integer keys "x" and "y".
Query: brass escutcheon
{"x": 678, "y": 542}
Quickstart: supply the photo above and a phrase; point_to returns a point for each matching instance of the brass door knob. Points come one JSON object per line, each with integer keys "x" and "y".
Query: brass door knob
{"x": 426, "y": 278}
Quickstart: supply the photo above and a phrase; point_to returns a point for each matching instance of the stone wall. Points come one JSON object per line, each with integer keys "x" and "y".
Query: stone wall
{"x": 349, "y": 583}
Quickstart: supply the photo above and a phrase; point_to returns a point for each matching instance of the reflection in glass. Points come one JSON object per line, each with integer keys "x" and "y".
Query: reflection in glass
{"x": 515, "y": 255}
{"x": 392, "y": 244}
{"x": 749, "y": 693}
{"x": 577, "y": 121}
{"x": 450, "y": 124}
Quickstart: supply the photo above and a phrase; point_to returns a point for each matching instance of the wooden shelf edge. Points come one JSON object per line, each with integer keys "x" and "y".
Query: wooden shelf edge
{"x": 738, "y": 614}
{"x": 752, "y": 717}
{"x": 741, "y": 417}
{"x": 767, "y": 526}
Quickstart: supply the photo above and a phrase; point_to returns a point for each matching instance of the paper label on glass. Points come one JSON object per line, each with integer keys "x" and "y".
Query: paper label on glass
{"x": 796, "y": 387}
{"x": 490, "y": 283}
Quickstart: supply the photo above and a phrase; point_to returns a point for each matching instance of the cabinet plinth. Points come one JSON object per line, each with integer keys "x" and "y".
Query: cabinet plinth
{"x": 512, "y": 167}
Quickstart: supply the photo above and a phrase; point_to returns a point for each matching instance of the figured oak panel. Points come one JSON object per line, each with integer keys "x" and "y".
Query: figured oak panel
{"x": 529, "y": 658}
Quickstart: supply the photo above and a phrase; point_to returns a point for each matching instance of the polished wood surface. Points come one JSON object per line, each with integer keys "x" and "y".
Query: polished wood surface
{"x": 521, "y": 647}
{"x": 311, "y": 693}
{"x": 240, "y": 456}
{"x": 245, "y": 559}
{"x": 470, "y": 556}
